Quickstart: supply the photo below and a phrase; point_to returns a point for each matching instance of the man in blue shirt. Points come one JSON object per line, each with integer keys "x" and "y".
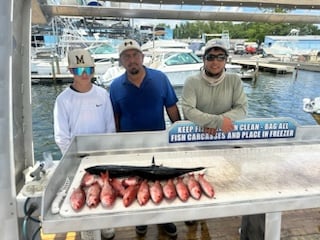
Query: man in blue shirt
{"x": 140, "y": 94}
{"x": 139, "y": 97}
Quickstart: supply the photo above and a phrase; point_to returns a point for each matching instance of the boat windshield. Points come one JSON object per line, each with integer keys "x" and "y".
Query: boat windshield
{"x": 181, "y": 59}
{"x": 103, "y": 49}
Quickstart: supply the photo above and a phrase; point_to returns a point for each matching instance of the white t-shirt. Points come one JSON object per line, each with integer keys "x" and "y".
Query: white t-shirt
{"x": 82, "y": 113}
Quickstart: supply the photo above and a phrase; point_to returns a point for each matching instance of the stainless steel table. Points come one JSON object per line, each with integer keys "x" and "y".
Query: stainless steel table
{"x": 249, "y": 177}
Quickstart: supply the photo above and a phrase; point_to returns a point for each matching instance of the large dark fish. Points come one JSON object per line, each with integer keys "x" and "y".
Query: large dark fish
{"x": 153, "y": 172}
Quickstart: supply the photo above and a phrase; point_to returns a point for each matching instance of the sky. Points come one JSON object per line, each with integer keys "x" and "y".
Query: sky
{"x": 173, "y": 23}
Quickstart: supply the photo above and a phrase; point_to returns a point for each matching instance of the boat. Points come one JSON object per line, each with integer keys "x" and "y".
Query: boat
{"x": 285, "y": 50}
{"x": 316, "y": 117}
{"x": 312, "y": 106}
{"x": 103, "y": 50}
{"x": 291, "y": 47}
{"x": 178, "y": 64}
{"x": 197, "y": 46}
{"x": 164, "y": 44}
{"x": 104, "y": 54}
{"x": 54, "y": 66}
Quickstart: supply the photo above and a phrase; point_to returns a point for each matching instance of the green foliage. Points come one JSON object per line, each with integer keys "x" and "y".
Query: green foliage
{"x": 254, "y": 32}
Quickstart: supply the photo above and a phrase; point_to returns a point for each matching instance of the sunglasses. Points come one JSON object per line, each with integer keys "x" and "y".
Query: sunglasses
{"x": 80, "y": 70}
{"x": 212, "y": 57}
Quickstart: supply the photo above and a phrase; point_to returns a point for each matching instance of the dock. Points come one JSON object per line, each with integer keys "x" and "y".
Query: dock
{"x": 264, "y": 66}
{"x": 307, "y": 66}
{"x": 274, "y": 65}
{"x": 50, "y": 79}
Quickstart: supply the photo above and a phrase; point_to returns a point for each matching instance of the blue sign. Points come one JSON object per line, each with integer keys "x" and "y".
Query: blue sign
{"x": 244, "y": 130}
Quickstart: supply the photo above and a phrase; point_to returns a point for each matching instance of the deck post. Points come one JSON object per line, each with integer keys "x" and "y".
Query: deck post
{"x": 273, "y": 226}
{"x": 53, "y": 69}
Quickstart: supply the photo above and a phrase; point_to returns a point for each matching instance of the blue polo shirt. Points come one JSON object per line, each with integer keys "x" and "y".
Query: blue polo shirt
{"x": 142, "y": 108}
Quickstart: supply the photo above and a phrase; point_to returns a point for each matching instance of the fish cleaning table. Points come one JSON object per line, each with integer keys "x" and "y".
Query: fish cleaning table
{"x": 250, "y": 176}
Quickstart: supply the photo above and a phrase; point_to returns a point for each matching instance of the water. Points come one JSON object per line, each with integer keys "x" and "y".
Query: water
{"x": 271, "y": 96}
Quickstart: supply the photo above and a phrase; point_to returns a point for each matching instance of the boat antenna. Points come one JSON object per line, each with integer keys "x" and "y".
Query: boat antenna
{"x": 153, "y": 162}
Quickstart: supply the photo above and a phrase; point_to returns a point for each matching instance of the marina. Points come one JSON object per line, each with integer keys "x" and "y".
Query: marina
{"x": 250, "y": 67}
{"x": 271, "y": 96}
{"x": 211, "y": 228}
{"x": 129, "y": 233}
{"x": 263, "y": 66}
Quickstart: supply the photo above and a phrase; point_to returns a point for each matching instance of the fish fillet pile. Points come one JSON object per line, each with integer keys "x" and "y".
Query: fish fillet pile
{"x": 101, "y": 189}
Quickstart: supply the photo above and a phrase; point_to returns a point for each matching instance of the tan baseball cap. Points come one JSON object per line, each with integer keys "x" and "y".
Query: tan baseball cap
{"x": 128, "y": 44}
{"x": 216, "y": 43}
{"x": 80, "y": 58}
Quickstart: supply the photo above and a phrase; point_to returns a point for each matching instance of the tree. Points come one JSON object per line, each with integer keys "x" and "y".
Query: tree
{"x": 254, "y": 32}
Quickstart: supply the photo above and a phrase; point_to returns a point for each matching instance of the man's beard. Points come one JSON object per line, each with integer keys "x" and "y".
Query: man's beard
{"x": 211, "y": 74}
{"x": 134, "y": 71}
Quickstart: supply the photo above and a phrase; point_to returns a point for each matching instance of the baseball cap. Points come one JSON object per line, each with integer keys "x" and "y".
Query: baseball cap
{"x": 129, "y": 44}
{"x": 215, "y": 43}
{"x": 80, "y": 58}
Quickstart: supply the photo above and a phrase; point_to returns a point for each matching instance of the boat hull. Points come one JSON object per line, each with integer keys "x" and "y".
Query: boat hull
{"x": 316, "y": 117}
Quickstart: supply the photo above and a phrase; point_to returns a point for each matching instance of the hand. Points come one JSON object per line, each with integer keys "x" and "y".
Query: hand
{"x": 211, "y": 131}
{"x": 227, "y": 125}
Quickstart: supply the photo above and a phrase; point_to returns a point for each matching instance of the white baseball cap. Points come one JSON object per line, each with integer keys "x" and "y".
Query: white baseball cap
{"x": 216, "y": 43}
{"x": 80, "y": 58}
{"x": 128, "y": 44}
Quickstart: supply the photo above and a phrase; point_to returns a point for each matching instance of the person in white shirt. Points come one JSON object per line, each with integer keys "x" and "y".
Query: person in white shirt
{"x": 82, "y": 108}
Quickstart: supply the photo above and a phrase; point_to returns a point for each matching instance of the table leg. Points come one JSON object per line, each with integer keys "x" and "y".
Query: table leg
{"x": 273, "y": 226}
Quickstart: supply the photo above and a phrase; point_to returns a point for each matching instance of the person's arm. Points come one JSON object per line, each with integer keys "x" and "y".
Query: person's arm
{"x": 117, "y": 121}
{"x": 227, "y": 125}
{"x": 211, "y": 131}
{"x": 240, "y": 103}
{"x": 171, "y": 101}
{"x": 237, "y": 108}
{"x": 173, "y": 113}
{"x": 116, "y": 113}
{"x": 190, "y": 110}
{"x": 110, "y": 121}
{"x": 62, "y": 134}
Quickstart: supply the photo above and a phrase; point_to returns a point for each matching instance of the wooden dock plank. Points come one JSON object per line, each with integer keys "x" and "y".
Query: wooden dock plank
{"x": 299, "y": 224}
{"x": 264, "y": 66}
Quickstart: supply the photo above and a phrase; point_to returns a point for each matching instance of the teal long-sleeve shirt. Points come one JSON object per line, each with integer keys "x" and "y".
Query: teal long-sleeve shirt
{"x": 206, "y": 105}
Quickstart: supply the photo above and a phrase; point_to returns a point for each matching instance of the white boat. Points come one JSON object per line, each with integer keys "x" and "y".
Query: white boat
{"x": 103, "y": 50}
{"x": 51, "y": 67}
{"x": 178, "y": 64}
{"x": 285, "y": 49}
{"x": 164, "y": 44}
{"x": 312, "y": 106}
{"x": 290, "y": 47}
{"x": 105, "y": 56}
